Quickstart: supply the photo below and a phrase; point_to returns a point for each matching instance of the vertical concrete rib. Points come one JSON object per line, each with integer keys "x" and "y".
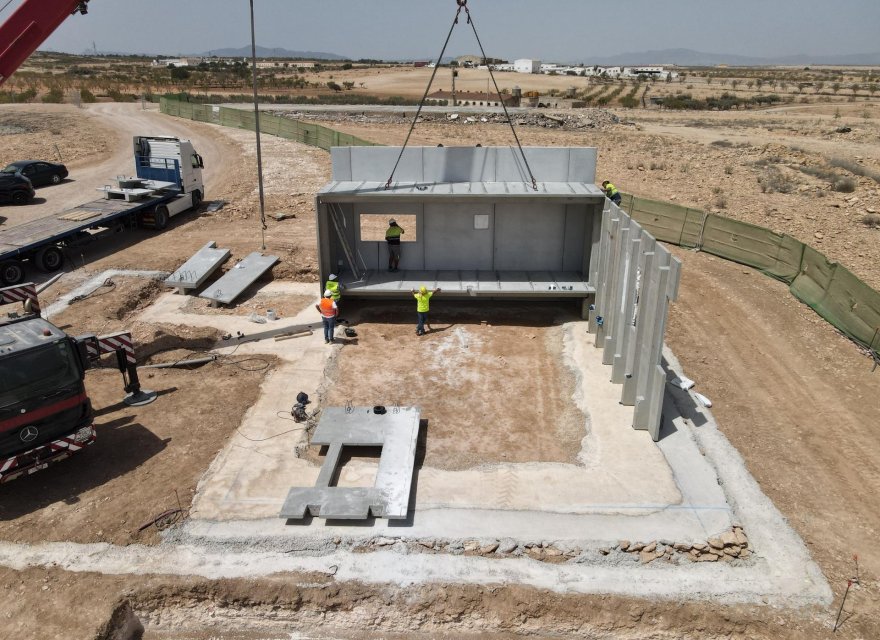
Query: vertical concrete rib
{"x": 625, "y": 322}
{"x": 615, "y": 289}
{"x": 647, "y": 246}
{"x": 603, "y": 297}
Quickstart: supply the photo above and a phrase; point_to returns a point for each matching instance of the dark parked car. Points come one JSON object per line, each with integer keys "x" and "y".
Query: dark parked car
{"x": 15, "y": 188}
{"x": 38, "y": 171}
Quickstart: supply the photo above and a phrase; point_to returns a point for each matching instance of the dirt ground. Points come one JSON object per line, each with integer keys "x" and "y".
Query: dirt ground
{"x": 795, "y": 398}
{"x": 493, "y": 380}
{"x": 799, "y": 402}
{"x": 143, "y": 462}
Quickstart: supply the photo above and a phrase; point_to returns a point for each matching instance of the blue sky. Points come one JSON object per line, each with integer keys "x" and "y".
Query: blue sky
{"x": 563, "y": 30}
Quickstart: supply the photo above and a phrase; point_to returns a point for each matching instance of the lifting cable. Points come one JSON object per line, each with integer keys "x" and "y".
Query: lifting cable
{"x": 462, "y": 4}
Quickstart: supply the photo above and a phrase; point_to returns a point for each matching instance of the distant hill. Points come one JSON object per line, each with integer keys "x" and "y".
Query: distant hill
{"x": 275, "y": 52}
{"x": 691, "y": 58}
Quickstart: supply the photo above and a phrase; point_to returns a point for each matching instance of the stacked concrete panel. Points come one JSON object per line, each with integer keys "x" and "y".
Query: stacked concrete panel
{"x": 636, "y": 279}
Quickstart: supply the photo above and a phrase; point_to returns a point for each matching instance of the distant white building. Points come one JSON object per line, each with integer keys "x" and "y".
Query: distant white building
{"x": 611, "y": 72}
{"x": 526, "y": 65}
{"x": 176, "y": 62}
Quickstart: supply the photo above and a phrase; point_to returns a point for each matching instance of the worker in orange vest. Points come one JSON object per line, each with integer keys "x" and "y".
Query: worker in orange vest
{"x": 328, "y": 310}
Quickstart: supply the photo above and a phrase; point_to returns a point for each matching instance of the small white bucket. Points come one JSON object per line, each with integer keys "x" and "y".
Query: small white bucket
{"x": 271, "y": 315}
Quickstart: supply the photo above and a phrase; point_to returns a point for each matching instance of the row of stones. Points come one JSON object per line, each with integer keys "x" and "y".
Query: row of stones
{"x": 726, "y": 547}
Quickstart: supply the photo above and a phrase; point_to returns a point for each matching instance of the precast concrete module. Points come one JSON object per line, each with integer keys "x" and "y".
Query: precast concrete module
{"x": 477, "y": 227}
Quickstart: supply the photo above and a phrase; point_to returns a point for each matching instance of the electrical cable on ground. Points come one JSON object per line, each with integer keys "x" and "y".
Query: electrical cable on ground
{"x": 94, "y": 293}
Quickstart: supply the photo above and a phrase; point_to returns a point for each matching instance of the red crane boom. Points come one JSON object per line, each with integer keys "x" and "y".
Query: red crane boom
{"x": 29, "y": 26}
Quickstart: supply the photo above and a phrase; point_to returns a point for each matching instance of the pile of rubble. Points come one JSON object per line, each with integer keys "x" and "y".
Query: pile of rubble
{"x": 568, "y": 120}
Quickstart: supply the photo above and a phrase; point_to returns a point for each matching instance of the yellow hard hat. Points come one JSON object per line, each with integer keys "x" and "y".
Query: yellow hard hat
{"x": 423, "y": 289}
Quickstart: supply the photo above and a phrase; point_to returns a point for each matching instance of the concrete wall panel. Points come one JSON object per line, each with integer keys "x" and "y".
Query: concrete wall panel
{"x": 340, "y": 158}
{"x": 575, "y": 237}
{"x": 529, "y": 236}
{"x": 459, "y": 164}
{"x": 452, "y": 243}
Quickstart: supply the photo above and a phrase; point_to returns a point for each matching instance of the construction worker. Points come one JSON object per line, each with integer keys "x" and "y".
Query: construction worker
{"x": 392, "y": 237}
{"x": 423, "y": 298}
{"x": 328, "y": 310}
{"x": 334, "y": 287}
{"x": 611, "y": 192}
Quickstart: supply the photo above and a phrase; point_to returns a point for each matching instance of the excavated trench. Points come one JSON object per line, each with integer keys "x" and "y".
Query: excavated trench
{"x": 244, "y": 610}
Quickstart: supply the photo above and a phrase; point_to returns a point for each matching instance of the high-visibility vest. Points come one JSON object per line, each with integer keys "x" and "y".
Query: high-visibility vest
{"x": 610, "y": 189}
{"x": 423, "y": 301}
{"x": 333, "y": 288}
{"x": 393, "y": 233}
{"x": 327, "y": 308}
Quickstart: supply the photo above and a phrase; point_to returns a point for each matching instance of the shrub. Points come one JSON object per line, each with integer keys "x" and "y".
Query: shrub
{"x": 54, "y": 96}
{"x": 844, "y": 185}
{"x": 855, "y": 168}
{"x": 721, "y": 143}
{"x": 86, "y": 95}
{"x": 658, "y": 166}
{"x": 871, "y": 220}
{"x": 775, "y": 181}
{"x": 728, "y": 170}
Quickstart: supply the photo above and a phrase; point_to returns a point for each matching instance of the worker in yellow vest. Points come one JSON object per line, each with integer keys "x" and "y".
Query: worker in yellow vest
{"x": 335, "y": 288}
{"x": 611, "y": 192}
{"x": 392, "y": 238}
{"x": 327, "y": 308}
{"x": 423, "y": 298}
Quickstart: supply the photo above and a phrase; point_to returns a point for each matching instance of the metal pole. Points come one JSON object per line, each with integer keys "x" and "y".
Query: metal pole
{"x": 257, "y": 131}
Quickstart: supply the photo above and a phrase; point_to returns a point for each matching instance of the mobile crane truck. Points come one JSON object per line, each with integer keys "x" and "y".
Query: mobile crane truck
{"x": 45, "y": 413}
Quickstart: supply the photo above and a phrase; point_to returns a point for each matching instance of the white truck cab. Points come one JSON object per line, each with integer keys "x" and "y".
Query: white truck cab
{"x": 171, "y": 159}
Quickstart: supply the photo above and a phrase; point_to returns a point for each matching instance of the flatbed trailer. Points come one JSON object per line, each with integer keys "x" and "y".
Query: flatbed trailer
{"x": 164, "y": 186}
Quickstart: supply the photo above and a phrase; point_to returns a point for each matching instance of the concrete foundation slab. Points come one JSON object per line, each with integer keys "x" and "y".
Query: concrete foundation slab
{"x": 193, "y": 273}
{"x": 239, "y": 278}
{"x": 396, "y": 431}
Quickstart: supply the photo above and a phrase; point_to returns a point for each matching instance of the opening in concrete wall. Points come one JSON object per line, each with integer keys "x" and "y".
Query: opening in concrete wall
{"x": 374, "y": 225}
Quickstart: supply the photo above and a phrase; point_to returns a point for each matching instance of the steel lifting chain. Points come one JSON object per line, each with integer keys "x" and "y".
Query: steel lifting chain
{"x": 462, "y": 4}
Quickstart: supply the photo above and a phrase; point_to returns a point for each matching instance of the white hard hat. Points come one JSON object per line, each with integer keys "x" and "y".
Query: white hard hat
{"x": 392, "y": 221}
{"x": 328, "y": 293}
{"x": 332, "y": 276}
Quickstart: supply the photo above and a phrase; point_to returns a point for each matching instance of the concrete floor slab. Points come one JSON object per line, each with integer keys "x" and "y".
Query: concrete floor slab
{"x": 395, "y": 431}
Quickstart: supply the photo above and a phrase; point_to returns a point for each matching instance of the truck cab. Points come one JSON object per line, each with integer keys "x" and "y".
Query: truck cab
{"x": 171, "y": 159}
{"x": 45, "y": 413}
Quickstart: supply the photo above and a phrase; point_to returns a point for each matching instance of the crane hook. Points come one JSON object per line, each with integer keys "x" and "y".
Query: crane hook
{"x": 461, "y": 3}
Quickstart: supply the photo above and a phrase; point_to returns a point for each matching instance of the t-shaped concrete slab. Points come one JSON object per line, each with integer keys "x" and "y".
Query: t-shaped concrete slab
{"x": 396, "y": 431}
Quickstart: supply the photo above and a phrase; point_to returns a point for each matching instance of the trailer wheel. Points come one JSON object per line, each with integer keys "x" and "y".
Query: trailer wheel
{"x": 160, "y": 217}
{"x": 11, "y": 272}
{"x": 49, "y": 259}
{"x": 196, "y": 199}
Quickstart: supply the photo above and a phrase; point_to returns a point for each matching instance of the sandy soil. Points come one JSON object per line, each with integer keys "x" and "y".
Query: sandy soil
{"x": 798, "y": 402}
{"x": 492, "y": 380}
{"x": 796, "y": 399}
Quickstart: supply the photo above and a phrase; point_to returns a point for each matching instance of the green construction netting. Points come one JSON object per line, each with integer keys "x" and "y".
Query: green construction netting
{"x": 829, "y": 288}
{"x": 311, "y": 134}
